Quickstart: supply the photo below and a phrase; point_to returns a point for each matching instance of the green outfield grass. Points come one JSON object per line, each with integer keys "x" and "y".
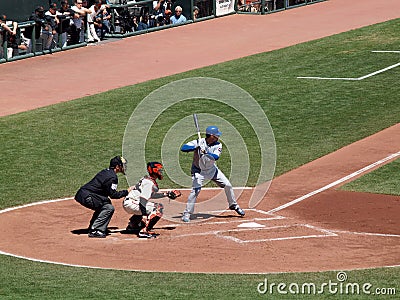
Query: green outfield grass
{"x": 29, "y": 280}
{"x": 49, "y": 152}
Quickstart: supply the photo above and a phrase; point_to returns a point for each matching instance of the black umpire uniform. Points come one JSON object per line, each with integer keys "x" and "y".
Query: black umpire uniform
{"x": 96, "y": 195}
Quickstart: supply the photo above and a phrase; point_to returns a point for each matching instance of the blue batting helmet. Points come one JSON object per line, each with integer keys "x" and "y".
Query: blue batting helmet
{"x": 213, "y": 130}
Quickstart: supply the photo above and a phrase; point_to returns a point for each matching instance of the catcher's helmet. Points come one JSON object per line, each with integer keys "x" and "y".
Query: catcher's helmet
{"x": 155, "y": 169}
{"x": 119, "y": 161}
{"x": 213, "y": 130}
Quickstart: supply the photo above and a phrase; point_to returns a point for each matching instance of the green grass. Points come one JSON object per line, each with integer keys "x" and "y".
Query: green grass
{"x": 30, "y": 280}
{"x": 384, "y": 180}
{"x": 49, "y": 152}
{"x": 61, "y": 146}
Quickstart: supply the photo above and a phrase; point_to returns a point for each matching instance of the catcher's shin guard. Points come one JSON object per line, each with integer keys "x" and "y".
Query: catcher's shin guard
{"x": 155, "y": 216}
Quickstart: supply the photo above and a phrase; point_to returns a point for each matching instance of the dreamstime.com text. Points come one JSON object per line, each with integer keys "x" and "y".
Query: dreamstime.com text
{"x": 340, "y": 286}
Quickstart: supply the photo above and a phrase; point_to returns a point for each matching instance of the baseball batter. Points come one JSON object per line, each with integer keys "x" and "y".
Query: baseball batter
{"x": 145, "y": 214}
{"x": 206, "y": 151}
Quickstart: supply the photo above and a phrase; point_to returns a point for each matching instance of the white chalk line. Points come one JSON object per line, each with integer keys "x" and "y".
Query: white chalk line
{"x": 147, "y": 271}
{"x": 35, "y": 203}
{"x": 72, "y": 265}
{"x": 325, "y": 233}
{"x": 357, "y": 78}
{"x": 212, "y": 188}
{"x": 222, "y": 234}
{"x": 367, "y": 233}
{"x": 241, "y": 220}
{"x": 72, "y": 198}
{"x": 382, "y": 51}
{"x": 341, "y": 180}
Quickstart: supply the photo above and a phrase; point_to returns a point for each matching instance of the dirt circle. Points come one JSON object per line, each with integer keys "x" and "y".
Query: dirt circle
{"x": 329, "y": 230}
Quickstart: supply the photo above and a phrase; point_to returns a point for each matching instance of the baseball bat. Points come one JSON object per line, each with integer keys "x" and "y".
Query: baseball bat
{"x": 196, "y": 123}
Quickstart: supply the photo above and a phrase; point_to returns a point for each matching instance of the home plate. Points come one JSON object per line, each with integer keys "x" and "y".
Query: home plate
{"x": 251, "y": 225}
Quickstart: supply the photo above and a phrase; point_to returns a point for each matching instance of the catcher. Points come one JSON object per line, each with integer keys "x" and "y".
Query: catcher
{"x": 145, "y": 214}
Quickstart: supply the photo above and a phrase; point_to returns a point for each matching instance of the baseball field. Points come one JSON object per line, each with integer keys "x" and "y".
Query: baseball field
{"x": 331, "y": 211}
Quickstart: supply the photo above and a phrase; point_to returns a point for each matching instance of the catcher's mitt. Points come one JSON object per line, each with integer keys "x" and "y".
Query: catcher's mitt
{"x": 173, "y": 194}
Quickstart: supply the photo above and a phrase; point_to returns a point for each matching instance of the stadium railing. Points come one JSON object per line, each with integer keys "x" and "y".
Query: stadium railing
{"x": 123, "y": 11}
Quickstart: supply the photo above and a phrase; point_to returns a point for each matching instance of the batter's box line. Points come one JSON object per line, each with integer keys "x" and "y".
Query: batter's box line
{"x": 263, "y": 212}
{"x": 226, "y": 222}
{"x": 242, "y": 220}
{"x": 327, "y": 233}
{"x": 220, "y": 234}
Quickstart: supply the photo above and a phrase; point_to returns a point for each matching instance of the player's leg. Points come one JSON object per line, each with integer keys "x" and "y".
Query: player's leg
{"x": 197, "y": 182}
{"x": 157, "y": 211}
{"x": 154, "y": 213}
{"x": 223, "y": 182}
{"x": 135, "y": 223}
{"x": 132, "y": 206}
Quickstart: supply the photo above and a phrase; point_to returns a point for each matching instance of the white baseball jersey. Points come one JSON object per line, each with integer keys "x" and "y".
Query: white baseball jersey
{"x": 204, "y": 163}
{"x": 145, "y": 189}
{"x": 204, "y": 167}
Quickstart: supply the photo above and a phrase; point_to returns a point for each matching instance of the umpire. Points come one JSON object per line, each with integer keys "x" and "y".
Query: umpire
{"x": 96, "y": 195}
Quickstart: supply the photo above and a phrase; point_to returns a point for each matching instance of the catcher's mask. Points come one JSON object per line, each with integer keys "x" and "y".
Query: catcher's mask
{"x": 119, "y": 161}
{"x": 155, "y": 169}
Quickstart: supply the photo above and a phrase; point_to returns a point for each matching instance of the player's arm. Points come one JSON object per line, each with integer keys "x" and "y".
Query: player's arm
{"x": 215, "y": 151}
{"x": 190, "y": 146}
{"x": 159, "y": 195}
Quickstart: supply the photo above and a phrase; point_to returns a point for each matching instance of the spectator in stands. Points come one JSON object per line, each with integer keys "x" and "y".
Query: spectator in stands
{"x": 160, "y": 13}
{"x": 80, "y": 23}
{"x": 107, "y": 20}
{"x": 168, "y": 12}
{"x": 67, "y": 14}
{"x": 102, "y": 23}
{"x": 178, "y": 17}
{"x": 90, "y": 30}
{"x": 135, "y": 23}
{"x": 159, "y": 7}
{"x": 53, "y": 21}
{"x": 96, "y": 25}
{"x": 43, "y": 32}
{"x": 85, "y": 4}
{"x": 9, "y": 34}
{"x": 144, "y": 22}
{"x": 195, "y": 13}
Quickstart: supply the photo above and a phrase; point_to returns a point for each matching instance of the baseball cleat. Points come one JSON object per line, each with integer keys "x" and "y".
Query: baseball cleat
{"x": 96, "y": 234}
{"x": 238, "y": 210}
{"x": 186, "y": 218}
{"x": 146, "y": 235}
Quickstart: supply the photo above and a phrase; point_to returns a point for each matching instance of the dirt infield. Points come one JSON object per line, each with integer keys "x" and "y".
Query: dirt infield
{"x": 330, "y": 230}
{"x": 303, "y": 224}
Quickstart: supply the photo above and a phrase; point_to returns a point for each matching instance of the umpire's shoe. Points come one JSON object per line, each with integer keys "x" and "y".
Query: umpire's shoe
{"x": 97, "y": 234}
{"x": 237, "y": 208}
